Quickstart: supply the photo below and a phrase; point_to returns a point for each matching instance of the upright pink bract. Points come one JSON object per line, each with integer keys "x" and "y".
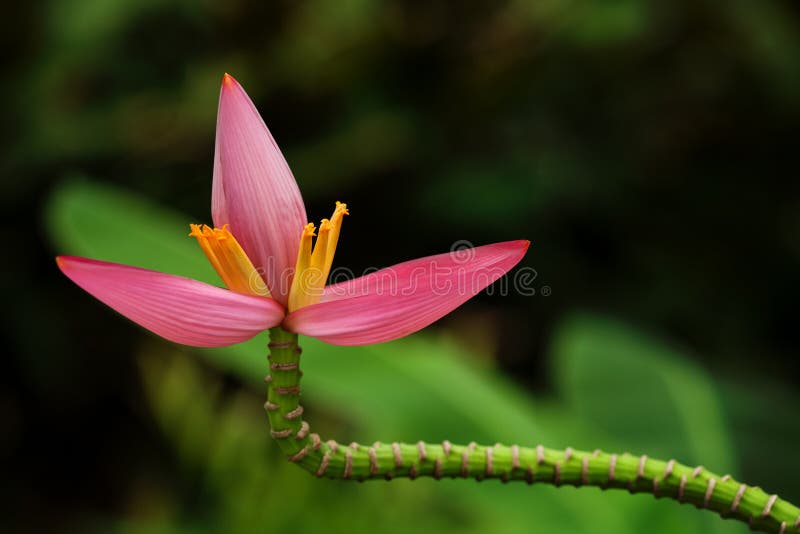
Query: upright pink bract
{"x": 254, "y": 191}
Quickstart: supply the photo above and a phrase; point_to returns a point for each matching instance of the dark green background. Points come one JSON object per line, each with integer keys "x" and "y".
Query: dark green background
{"x": 647, "y": 149}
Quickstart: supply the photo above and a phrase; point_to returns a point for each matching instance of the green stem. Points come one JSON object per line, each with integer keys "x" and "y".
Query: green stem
{"x": 637, "y": 474}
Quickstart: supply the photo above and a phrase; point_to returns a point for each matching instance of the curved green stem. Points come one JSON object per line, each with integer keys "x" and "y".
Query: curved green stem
{"x": 637, "y": 474}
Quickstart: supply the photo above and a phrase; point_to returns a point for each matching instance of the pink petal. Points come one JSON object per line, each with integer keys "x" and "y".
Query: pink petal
{"x": 399, "y": 300}
{"x": 178, "y": 309}
{"x": 219, "y": 208}
{"x": 254, "y": 190}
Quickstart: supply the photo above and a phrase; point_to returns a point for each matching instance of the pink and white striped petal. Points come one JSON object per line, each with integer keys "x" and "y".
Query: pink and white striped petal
{"x": 254, "y": 191}
{"x": 399, "y": 300}
{"x": 178, "y": 309}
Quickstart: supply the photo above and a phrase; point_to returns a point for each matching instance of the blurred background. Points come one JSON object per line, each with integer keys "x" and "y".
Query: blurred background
{"x": 647, "y": 149}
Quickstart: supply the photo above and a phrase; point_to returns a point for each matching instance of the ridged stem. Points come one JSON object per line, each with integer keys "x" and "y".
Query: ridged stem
{"x": 637, "y": 474}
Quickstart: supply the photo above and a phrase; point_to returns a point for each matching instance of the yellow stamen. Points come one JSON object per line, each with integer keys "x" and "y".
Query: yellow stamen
{"x": 229, "y": 260}
{"x": 333, "y": 239}
{"x": 313, "y": 267}
{"x": 298, "y": 293}
{"x": 320, "y": 255}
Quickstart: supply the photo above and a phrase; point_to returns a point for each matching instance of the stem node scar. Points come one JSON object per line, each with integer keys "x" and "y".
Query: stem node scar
{"x": 373, "y": 461}
{"x": 612, "y": 469}
{"x": 398, "y": 455}
{"x": 446, "y": 448}
{"x": 638, "y": 474}
{"x": 423, "y": 453}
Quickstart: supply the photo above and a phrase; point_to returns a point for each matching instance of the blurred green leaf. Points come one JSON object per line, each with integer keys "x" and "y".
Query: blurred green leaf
{"x": 107, "y": 223}
{"x": 639, "y": 394}
{"x": 766, "y": 437}
{"x": 636, "y": 388}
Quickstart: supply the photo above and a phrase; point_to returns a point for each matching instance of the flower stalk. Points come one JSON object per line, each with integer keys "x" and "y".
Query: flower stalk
{"x": 638, "y": 474}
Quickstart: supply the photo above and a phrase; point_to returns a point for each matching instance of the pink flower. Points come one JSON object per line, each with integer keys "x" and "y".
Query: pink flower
{"x": 274, "y": 269}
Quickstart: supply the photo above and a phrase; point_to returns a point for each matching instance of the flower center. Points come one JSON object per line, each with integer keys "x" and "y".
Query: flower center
{"x": 229, "y": 260}
{"x": 314, "y": 263}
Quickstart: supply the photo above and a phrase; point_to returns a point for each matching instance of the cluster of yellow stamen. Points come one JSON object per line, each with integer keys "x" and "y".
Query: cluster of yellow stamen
{"x": 314, "y": 263}
{"x": 229, "y": 260}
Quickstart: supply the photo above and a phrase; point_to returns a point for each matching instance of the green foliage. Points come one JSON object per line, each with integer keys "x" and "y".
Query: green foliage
{"x": 617, "y": 389}
{"x": 98, "y": 220}
{"x": 629, "y": 385}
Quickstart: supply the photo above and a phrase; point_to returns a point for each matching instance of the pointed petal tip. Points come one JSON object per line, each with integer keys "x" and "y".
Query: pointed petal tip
{"x": 518, "y": 244}
{"x": 65, "y": 261}
{"x": 70, "y": 261}
{"x": 228, "y": 81}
